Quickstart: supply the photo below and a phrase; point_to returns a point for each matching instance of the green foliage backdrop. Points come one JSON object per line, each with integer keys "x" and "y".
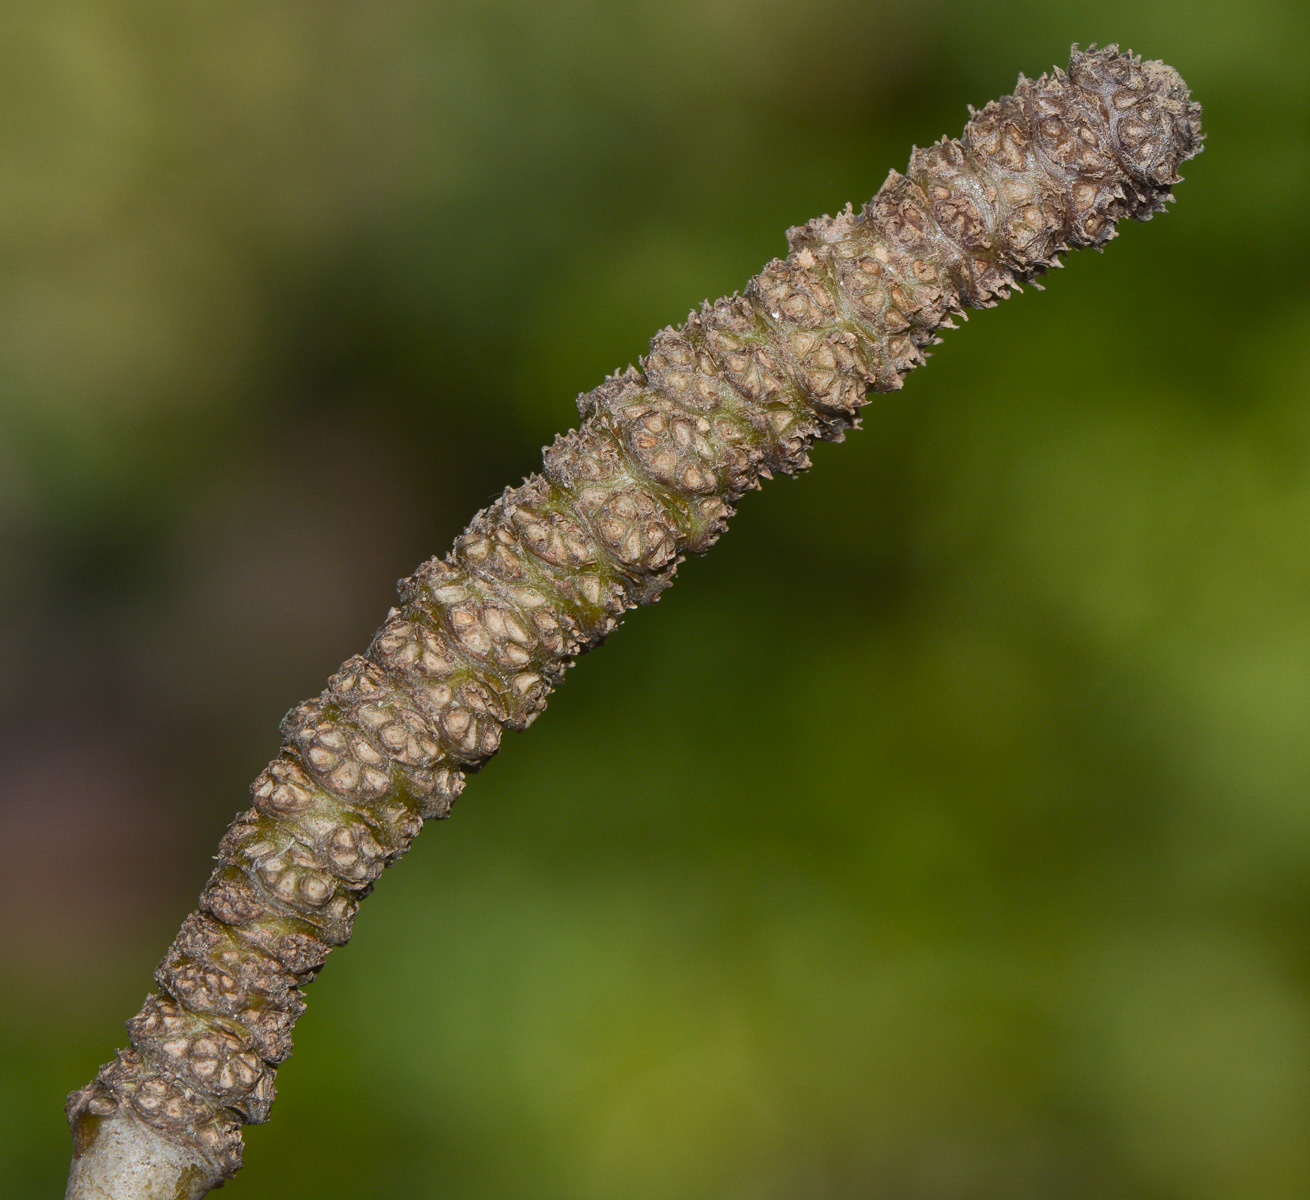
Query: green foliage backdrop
{"x": 944, "y": 835}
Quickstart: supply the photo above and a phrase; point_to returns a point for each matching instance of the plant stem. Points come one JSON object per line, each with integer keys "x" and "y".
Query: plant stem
{"x": 482, "y": 636}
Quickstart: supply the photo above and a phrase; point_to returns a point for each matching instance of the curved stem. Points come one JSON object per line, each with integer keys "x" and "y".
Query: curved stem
{"x": 665, "y": 452}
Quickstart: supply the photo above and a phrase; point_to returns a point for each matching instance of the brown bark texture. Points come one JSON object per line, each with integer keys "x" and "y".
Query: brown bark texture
{"x": 665, "y": 451}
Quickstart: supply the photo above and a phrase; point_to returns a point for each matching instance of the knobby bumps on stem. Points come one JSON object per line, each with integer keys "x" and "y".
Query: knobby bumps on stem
{"x": 656, "y": 468}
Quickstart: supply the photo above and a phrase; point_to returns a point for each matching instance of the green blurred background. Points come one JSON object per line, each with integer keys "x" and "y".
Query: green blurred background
{"x": 944, "y": 835}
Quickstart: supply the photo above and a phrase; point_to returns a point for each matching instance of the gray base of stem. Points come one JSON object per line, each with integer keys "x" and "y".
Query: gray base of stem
{"x": 124, "y": 1159}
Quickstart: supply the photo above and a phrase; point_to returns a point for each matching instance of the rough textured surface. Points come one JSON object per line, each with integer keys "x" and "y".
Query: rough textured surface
{"x": 653, "y": 473}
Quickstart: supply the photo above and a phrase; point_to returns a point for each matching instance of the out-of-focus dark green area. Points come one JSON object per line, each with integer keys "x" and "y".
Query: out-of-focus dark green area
{"x": 944, "y": 835}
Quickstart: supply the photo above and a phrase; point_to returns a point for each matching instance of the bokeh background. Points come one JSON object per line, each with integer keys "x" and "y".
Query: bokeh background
{"x": 944, "y": 835}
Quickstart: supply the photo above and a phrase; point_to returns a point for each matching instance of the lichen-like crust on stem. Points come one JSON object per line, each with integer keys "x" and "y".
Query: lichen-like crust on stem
{"x": 652, "y": 474}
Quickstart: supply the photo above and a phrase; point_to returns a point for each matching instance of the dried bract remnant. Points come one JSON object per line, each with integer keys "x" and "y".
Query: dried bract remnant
{"x": 663, "y": 455}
